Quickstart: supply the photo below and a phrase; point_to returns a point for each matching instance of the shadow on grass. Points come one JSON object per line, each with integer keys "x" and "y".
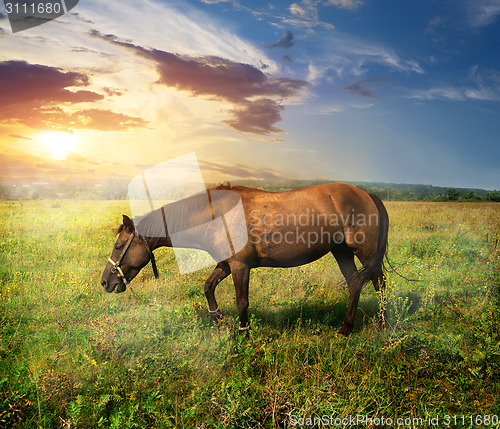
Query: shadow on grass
{"x": 282, "y": 316}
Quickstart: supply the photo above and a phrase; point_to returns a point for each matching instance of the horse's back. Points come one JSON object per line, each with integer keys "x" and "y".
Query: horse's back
{"x": 299, "y": 226}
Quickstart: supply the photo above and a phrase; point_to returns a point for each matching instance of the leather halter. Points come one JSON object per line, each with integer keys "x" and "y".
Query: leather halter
{"x": 117, "y": 265}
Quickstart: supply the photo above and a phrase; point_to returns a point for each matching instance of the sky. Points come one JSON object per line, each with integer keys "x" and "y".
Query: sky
{"x": 394, "y": 91}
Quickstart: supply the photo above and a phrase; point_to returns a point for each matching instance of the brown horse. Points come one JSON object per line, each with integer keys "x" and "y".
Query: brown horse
{"x": 282, "y": 229}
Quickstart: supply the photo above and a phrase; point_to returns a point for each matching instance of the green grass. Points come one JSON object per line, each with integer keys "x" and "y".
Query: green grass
{"x": 73, "y": 356}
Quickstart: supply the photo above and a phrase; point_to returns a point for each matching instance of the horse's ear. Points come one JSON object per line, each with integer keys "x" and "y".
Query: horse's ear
{"x": 127, "y": 222}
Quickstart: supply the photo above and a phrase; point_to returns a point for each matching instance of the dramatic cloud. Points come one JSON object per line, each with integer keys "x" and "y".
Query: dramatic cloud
{"x": 219, "y": 78}
{"x": 32, "y": 95}
{"x": 286, "y": 42}
{"x": 257, "y": 117}
{"x": 361, "y": 89}
{"x": 34, "y": 85}
{"x": 257, "y": 96}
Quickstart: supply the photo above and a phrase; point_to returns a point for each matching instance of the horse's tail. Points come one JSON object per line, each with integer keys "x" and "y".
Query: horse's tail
{"x": 375, "y": 269}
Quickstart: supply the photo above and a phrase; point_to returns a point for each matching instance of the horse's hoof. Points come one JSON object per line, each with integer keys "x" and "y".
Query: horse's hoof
{"x": 217, "y": 317}
{"x": 244, "y": 331}
{"x": 344, "y": 331}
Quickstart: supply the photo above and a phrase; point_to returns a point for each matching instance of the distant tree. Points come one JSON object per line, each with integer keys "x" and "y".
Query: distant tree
{"x": 492, "y": 196}
{"x": 114, "y": 189}
{"x": 34, "y": 194}
{"x": 469, "y": 196}
{"x": 452, "y": 194}
{"x": 4, "y": 194}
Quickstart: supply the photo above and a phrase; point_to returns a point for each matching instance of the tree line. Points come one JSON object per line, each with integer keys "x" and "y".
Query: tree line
{"x": 116, "y": 189}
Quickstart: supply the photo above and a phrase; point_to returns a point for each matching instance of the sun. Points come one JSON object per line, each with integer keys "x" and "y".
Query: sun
{"x": 59, "y": 144}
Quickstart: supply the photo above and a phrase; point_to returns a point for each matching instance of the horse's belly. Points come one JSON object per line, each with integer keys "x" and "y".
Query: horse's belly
{"x": 289, "y": 247}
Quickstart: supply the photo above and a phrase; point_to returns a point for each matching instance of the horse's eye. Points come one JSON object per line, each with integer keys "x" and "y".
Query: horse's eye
{"x": 118, "y": 246}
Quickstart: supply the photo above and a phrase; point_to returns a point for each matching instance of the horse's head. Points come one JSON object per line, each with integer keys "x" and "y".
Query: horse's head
{"x": 130, "y": 254}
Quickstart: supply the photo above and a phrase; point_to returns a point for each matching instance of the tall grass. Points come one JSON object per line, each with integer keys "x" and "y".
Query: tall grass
{"x": 73, "y": 356}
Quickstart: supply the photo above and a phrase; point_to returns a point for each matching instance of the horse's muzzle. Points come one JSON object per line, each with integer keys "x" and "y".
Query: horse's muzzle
{"x": 117, "y": 287}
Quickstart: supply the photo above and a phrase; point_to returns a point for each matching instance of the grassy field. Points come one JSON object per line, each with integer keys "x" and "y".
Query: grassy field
{"x": 73, "y": 356}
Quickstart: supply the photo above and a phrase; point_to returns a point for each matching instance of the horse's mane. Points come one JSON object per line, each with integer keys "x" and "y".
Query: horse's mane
{"x": 178, "y": 216}
{"x": 228, "y": 187}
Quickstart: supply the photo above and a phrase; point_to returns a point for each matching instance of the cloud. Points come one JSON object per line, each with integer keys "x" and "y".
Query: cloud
{"x": 17, "y": 166}
{"x": 26, "y": 167}
{"x": 177, "y": 27}
{"x": 360, "y": 89}
{"x": 315, "y": 73}
{"x": 479, "y": 86}
{"x": 17, "y": 136}
{"x": 337, "y": 108}
{"x": 34, "y": 85}
{"x": 286, "y": 42}
{"x": 257, "y": 96}
{"x": 345, "y": 4}
{"x": 33, "y": 95}
{"x": 241, "y": 171}
{"x": 344, "y": 55}
{"x": 305, "y": 14}
{"x": 219, "y": 78}
{"x": 457, "y": 94}
{"x": 434, "y": 24}
{"x": 216, "y": 1}
{"x": 104, "y": 120}
{"x": 332, "y": 109}
{"x": 482, "y": 13}
{"x": 257, "y": 117}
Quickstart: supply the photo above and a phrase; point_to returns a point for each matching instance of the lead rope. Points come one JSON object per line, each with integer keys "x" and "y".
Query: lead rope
{"x": 151, "y": 256}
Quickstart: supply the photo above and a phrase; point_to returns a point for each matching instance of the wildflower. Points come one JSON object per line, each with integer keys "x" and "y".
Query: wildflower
{"x": 93, "y": 362}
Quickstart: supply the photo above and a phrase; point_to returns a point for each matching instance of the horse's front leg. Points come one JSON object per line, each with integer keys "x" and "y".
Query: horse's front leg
{"x": 241, "y": 277}
{"x": 220, "y": 272}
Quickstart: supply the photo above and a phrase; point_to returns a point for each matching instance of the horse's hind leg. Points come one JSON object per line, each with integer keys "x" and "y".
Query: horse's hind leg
{"x": 241, "y": 278}
{"x": 345, "y": 258}
{"x": 379, "y": 285}
{"x": 220, "y": 272}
